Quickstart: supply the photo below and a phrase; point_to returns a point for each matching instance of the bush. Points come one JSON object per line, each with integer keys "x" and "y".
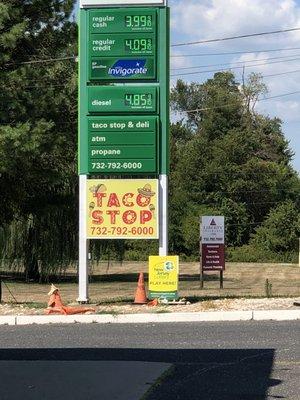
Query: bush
{"x": 250, "y": 253}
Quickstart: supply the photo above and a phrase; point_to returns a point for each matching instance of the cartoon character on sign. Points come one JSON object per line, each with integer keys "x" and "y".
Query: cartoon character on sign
{"x": 91, "y": 207}
{"x": 145, "y": 194}
{"x": 152, "y": 209}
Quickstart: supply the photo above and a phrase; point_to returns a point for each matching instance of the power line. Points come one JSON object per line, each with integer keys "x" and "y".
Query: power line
{"x": 237, "y": 67}
{"x": 230, "y": 104}
{"x": 233, "y": 52}
{"x": 236, "y": 62}
{"x": 235, "y": 37}
{"x": 281, "y": 73}
{"x": 42, "y": 61}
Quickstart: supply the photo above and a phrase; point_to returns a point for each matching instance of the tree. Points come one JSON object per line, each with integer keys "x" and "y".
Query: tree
{"x": 280, "y": 231}
{"x": 38, "y": 112}
{"x": 234, "y": 160}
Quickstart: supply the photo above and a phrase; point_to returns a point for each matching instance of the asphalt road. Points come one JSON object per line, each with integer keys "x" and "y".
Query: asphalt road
{"x": 184, "y": 361}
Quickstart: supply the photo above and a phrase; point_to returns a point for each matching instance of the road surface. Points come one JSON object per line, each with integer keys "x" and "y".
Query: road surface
{"x": 175, "y": 361}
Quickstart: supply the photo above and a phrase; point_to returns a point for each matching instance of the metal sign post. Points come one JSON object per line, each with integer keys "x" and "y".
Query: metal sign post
{"x": 123, "y": 116}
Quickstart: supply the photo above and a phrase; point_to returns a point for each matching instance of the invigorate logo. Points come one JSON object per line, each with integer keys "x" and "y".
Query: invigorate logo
{"x": 126, "y": 68}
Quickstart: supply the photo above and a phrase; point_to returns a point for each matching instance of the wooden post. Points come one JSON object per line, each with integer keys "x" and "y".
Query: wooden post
{"x": 200, "y": 257}
{"x": 221, "y": 279}
{"x": 201, "y": 279}
{"x": 299, "y": 254}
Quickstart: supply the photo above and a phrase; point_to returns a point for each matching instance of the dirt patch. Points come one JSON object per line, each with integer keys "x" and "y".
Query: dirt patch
{"x": 200, "y": 306}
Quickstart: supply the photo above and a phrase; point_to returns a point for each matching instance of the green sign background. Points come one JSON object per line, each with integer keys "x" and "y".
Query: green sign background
{"x": 123, "y": 123}
{"x": 122, "y": 99}
{"x": 124, "y": 21}
{"x": 125, "y": 107}
{"x": 109, "y": 138}
{"x": 109, "y": 45}
{"x": 122, "y": 166}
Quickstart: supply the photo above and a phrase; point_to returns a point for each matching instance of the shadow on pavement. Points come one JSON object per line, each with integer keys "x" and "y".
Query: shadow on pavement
{"x": 195, "y": 374}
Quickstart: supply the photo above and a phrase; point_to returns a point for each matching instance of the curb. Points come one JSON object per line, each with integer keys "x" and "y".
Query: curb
{"x": 276, "y": 315}
{"x": 207, "y": 316}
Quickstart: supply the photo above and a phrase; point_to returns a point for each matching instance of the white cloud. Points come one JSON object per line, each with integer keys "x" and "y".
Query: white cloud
{"x": 219, "y": 18}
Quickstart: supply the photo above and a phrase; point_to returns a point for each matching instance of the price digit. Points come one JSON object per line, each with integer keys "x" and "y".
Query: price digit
{"x": 143, "y": 21}
{"x": 136, "y": 20}
{"x": 143, "y": 44}
{"x": 128, "y": 44}
{"x": 128, "y": 99}
{"x": 136, "y": 100}
{"x": 128, "y": 21}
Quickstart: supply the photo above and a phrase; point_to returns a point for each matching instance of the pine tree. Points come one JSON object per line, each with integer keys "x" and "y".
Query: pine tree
{"x": 38, "y": 124}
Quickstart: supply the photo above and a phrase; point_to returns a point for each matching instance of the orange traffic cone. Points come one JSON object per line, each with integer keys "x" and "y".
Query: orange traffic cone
{"x": 140, "y": 294}
{"x": 153, "y": 303}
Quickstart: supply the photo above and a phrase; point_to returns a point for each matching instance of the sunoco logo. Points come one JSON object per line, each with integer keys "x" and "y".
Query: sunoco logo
{"x": 125, "y": 68}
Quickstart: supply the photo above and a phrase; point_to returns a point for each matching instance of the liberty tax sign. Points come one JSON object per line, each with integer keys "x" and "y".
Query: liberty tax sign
{"x": 213, "y": 245}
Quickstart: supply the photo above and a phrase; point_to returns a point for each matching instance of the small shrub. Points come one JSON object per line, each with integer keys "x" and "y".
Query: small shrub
{"x": 268, "y": 288}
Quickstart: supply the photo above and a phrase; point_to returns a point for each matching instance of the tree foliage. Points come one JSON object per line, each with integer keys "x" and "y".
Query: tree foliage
{"x": 38, "y": 113}
{"x": 233, "y": 161}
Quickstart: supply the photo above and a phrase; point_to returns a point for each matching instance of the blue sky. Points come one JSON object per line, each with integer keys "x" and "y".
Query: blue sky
{"x": 193, "y": 20}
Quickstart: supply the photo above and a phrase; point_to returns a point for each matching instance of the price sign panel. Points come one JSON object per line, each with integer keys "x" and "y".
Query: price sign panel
{"x": 123, "y": 67}
{"x": 122, "y": 99}
{"x": 123, "y": 21}
{"x": 122, "y": 44}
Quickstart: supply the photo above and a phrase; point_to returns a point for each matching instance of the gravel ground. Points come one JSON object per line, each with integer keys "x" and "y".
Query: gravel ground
{"x": 209, "y": 305}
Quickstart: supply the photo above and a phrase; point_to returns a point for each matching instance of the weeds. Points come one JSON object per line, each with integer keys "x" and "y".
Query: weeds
{"x": 268, "y": 288}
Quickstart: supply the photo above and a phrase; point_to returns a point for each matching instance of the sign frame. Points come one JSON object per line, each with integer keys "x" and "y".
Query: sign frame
{"x": 118, "y": 3}
{"x": 159, "y": 278}
{"x": 146, "y": 192}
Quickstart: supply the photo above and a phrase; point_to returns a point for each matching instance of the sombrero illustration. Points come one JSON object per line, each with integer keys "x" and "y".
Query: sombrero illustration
{"x": 146, "y": 191}
{"x": 98, "y": 188}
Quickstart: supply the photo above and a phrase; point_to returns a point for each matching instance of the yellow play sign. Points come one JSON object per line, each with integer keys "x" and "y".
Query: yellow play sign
{"x": 122, "y": 208}
{"x": 163, "y": 277}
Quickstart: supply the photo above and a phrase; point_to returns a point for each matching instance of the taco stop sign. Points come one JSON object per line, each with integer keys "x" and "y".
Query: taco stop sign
{"x": 121, "y": 209}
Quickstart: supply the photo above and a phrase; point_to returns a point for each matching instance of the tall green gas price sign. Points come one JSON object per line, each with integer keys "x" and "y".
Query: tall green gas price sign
{"x": 123, "y": 87}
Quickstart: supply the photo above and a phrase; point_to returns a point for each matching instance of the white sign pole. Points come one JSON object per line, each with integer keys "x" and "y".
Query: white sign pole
{"x": 163, "y": 215}
{"x": 83, "y": 242}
